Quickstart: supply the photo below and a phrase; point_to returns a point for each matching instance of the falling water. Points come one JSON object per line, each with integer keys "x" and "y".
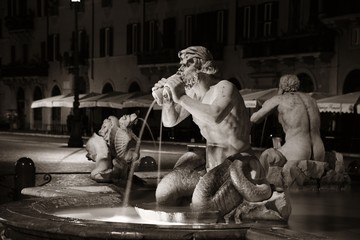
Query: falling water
{"x": 159, "y": 152}
{"x": 133, "y": 163}
{"x": 159, "y": 149}
{"x": 148, "y": 127}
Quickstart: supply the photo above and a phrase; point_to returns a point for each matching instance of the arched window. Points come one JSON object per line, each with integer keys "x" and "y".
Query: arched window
{"x": 37, "y": 112}
{"x": 134, "y": 87}
{"x": 82, "y": 85}
{"x": 20, "y": 107}
{"x": 107, "y": 88}
{"x": 306, "y": 83}
{"x": 106, "y": 112}
{"x": 55, "y": 111}
{"x": 352, "y": 82}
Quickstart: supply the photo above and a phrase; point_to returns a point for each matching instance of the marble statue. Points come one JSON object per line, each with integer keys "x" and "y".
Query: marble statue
{"x": 229, "y": 176}
{"x": 113, "y": 149}
{"x": 300, "y": 118}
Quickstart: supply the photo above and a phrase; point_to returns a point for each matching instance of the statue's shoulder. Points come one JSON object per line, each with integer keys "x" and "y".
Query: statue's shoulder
{"x": 225, "y": 83}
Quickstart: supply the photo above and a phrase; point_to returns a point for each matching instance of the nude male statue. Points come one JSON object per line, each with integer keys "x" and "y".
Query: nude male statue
{"x": 219, "y": 110}
{"x": 216, "y": 106}
{"x": 300, "y": 118}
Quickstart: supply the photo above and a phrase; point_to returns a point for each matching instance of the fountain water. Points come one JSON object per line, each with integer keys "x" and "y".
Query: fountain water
{"x": 137, "y": 149}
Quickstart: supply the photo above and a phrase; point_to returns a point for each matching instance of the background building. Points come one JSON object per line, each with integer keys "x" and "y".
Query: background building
{"x": 127, "y": 46}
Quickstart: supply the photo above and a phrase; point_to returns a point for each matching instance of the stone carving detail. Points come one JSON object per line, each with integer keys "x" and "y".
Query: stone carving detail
{"x": 113, "y": 149}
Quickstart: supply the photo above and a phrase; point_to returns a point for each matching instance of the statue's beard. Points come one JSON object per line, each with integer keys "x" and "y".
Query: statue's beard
{"x": 190, "y": 80}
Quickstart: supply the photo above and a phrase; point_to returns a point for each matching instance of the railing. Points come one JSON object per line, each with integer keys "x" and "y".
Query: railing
{"x": 60, "y": 129}
{"x": 290, "y": 45}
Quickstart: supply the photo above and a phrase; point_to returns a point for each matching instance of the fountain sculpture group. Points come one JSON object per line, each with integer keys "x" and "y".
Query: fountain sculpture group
{"x": 227, "y": 180}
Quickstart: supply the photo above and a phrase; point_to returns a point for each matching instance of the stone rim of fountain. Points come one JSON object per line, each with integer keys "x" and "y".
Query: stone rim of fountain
{"x": 36, "y": 217}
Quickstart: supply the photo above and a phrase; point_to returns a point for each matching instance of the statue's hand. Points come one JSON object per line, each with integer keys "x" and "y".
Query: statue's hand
{"x": 159, "y": 84}
{"x": 176, "y": 86}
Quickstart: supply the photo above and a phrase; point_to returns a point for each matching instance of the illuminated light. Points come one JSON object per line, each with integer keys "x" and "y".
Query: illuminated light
{"x": 75, "y": 1}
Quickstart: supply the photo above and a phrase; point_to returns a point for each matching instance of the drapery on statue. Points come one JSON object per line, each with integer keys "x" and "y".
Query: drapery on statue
{"x": 230, "y": 175}
{"x": 300, "y": 118}
{"x": 113, "y": 149}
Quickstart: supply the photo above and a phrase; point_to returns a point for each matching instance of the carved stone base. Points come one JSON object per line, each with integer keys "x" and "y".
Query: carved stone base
{"x": 311, "y": 175}
{"x": 277, "y": 208}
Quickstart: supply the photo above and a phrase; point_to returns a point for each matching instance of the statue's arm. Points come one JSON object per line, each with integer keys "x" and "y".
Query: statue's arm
{"x": 219, "y": 107}
{"x": 268, "y": 107}
{"x": 172, "y": 114}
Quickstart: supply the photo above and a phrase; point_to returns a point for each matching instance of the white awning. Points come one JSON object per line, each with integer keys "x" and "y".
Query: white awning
{"x": 141, "y": 101}
{"x": 92, "y": 101}
{"x": 256, "y": 97}
{"x": 344, "y": 103}
{"x": 68, "y": 102}
{"x": 115, "y": 101}
{"x": 60, "y": 100}
{"x": 46, "y": 102}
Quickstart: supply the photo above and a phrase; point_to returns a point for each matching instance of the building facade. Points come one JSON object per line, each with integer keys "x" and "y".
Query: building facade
{"x": 128, "y": 45}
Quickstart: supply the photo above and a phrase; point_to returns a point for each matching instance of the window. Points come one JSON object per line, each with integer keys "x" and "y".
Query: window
{"x": 267, "y": 19}
{"x": 12, "y": 54}
{"x": 150, "y": 35}
{"x": 133, "y": 38}
{"x": 169, "y": 33}
{"x": 220, "y": 27}
{"x": 267, "y": 29}
{"x": 39, "y": 8}
{"x": 106, "y": 42}
{"x": 188, "y": 30}
{"x": 106, "y": 3}
{"x": 53, "y": 47}
{"x": 25, "y": 53}
{"x": 245, "y": 23}
{"x": 83, "y": 44}
{"x": 355, "y": 37}
{"x": 43, "y": 52}
{"x": 12, "y": 8}
{"x": 52, "y": 7}
{"x": 268, "y": 16}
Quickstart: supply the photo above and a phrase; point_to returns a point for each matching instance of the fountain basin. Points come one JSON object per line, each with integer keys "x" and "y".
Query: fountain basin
{"x": 98, "y": 217}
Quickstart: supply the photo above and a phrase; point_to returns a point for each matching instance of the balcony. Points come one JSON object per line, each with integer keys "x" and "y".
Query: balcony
{"x": 19, "y": 23}
{"x": 22, "y": 70}
{"x": 301, "y": 44}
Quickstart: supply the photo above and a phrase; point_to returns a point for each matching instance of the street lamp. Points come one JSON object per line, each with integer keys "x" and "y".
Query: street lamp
{"x": 75, "y": 139}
